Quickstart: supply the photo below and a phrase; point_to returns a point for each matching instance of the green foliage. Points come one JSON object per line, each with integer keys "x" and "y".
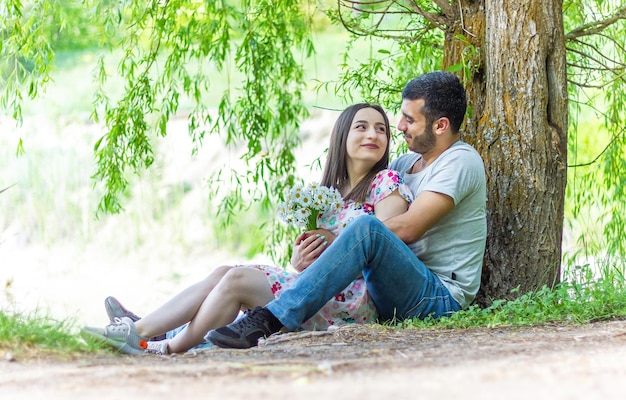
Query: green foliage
{"x": 265, "y": 41}
{"x": 70, "y": 26}
{"x": 596, "y": 198}
{"x": 470, "y": 62}
{"x": 247, "y": 233}
{"x": 402, "y": 46}
{"x": 19, "y": 332}
{"x": 25, "y": 53}
{"x": 583, "y": 296}
{"x": 263, "y": 114}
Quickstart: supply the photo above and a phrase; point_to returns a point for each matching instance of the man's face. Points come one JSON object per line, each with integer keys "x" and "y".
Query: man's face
{"x": 419, "y": 137}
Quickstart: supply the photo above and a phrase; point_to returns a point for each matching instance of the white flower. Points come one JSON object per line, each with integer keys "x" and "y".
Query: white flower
{"x": 302, "y": 205}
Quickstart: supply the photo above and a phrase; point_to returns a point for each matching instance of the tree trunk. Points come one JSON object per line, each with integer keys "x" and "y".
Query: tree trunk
{"x": 518, "y": 96}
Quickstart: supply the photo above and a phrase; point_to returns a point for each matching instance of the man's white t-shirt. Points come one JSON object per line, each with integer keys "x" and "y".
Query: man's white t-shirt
{"x": 454, "y": 247}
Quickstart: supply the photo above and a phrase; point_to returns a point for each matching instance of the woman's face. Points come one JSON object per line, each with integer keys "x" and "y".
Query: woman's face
{"x": 367, "y": 138}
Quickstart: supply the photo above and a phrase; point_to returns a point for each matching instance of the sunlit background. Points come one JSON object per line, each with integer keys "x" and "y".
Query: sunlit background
{"x": 59, "y": 256}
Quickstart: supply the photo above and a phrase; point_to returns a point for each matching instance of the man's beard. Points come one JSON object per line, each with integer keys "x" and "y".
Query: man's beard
{"x": 424, "y": 142}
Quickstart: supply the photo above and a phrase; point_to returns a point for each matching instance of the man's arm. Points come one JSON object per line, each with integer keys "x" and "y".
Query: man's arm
{"x": 423, "y": 213}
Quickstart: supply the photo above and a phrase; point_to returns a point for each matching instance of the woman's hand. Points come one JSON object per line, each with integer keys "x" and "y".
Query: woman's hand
{"x": 328, "y": 236}
{"x": 308, "y": 247}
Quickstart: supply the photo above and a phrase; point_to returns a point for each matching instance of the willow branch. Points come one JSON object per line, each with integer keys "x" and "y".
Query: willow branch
{"x": 615, "y": 42}
{"x": 605, "y": 67}
{"x": 584, "y": 85}
{"x": 608, "y": 146}
{"x": 434, "y": 19}
{"x": 607, "y": 60}
{"x": 357, "y": 3}
{"x": 380, "y": 21}
{"x": 375, "y": 30}
{"x": 596, "y": 26}
{"x": 445, "y": 6}
{"x": 7, "y": 188}
{"x": 589, "y": 67}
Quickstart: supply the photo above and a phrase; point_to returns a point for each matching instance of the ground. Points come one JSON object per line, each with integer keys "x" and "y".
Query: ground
{"x": 366, "y": 362}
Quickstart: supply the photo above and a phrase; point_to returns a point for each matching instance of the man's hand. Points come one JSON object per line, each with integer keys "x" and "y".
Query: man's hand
{"x": 308, "y": 247}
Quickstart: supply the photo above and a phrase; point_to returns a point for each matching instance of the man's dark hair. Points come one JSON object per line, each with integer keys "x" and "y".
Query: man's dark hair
{"x": 443, "y": 95}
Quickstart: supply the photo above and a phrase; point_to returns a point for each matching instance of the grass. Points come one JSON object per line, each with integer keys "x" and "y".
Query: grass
{"x": 580, "y": 298}
{"x": 569, "y": 302}
{"x": 38, "y": 334}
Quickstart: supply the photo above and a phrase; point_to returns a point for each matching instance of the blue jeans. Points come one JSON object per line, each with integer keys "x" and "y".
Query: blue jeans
{"x": 399, "y": 283}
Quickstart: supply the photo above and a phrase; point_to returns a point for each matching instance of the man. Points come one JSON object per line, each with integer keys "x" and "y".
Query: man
{"x": 427, "y": 261}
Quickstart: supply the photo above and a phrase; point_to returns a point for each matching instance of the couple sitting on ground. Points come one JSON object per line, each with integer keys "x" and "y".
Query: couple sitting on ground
{"x": 411, "y": 245}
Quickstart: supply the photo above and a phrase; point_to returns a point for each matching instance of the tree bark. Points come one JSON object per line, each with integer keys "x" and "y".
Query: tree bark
{"x": 518, "y": 97}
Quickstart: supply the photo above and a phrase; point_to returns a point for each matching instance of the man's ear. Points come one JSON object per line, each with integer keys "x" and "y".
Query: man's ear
{"x": 442, "y": 125}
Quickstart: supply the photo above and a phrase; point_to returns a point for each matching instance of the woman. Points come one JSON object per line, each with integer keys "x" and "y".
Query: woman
{"x": 356, "y": 166}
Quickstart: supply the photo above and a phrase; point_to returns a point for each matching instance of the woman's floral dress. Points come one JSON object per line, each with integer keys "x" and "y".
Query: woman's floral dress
{"x": 353, "y": 304}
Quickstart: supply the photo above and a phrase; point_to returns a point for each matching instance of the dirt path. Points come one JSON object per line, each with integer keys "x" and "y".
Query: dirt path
{"x": 552, "y": 362}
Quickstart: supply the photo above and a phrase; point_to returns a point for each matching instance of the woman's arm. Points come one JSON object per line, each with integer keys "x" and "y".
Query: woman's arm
{"x": 390, "y": 206}
{"x": 389, "y": 194}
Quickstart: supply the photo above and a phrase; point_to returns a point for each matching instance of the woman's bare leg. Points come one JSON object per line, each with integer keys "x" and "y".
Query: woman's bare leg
{"x": 240, "y": 288}
{"x": 182, "y": 307}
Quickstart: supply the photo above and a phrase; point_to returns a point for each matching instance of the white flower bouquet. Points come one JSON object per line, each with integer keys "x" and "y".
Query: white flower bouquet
{"x": 302, "y": 205}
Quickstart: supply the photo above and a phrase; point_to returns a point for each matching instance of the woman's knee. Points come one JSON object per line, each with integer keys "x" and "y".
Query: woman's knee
{"x": 249, "y": 285}
{"x": 214, "y": 277}
{"x": 243, "y": 280}
{"x": 220, "y": 272}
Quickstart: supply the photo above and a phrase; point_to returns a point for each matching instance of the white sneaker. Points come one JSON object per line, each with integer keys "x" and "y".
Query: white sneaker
{"x": 158, "y": 347}
{"x": 121, "y": 335}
